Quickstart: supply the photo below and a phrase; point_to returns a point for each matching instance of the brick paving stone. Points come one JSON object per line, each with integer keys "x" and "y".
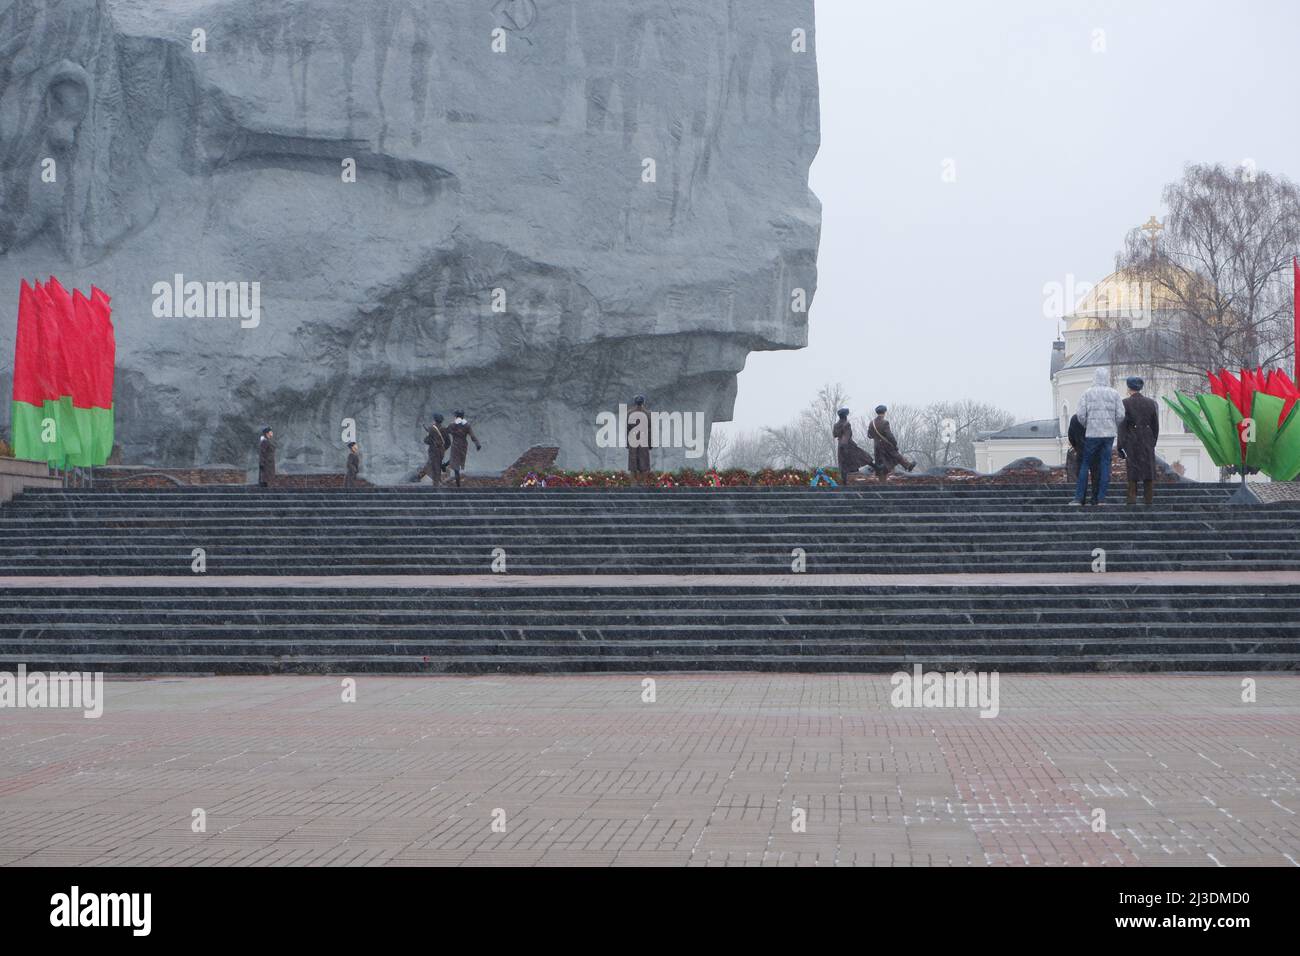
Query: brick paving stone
{"x": 413, "y": 772}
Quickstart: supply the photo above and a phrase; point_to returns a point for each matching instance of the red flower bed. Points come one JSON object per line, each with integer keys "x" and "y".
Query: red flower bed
{"x": 686, "y": 478}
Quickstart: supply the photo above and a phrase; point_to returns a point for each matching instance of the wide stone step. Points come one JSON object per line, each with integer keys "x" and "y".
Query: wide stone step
{"x": 55, "y": 617}
{"x": 323, "y": 524}
{"x": 864, "y": 561}
{"x": 390, "y": 663}
{"x": 543, "y": 598}
{"x": 650, "y": 543}
{"x": 547, "y": 645}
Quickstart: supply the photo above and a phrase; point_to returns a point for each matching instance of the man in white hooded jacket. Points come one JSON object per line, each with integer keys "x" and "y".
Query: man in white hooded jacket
{"x": 1100, "y": 411}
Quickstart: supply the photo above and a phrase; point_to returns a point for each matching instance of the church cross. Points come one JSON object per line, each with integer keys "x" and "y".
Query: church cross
{"x": 1153, "y": 230}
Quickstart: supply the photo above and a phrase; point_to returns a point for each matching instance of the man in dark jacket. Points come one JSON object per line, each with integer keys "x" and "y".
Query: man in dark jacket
{"x": 638, "y": 437}
{"x": 1137, "y": 441}
{"x": 850, "y": 456}
{"x": 1074, "y": 458}
{"x": 353, "y": 466}
{"x": 461, "y": 434}
{"x": 266, "y": 458}
{"x": 885, "y": 445}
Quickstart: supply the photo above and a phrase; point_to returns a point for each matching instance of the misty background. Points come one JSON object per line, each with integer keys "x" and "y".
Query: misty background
{"x": 931, "y": 290}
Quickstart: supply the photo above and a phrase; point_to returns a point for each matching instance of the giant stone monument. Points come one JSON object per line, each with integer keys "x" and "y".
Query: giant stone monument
{"x": 506, "y": 246}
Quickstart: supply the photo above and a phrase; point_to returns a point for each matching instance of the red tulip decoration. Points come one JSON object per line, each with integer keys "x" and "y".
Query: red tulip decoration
{"x": 1248, "y": 421}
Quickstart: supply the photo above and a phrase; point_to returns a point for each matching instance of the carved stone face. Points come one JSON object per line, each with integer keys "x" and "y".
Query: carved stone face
{"x": 498, "y": 247}
{"x": 45, "y": 99}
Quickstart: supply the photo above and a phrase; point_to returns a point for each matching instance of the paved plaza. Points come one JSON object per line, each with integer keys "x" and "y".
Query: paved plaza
{"x": 731, "y": 769}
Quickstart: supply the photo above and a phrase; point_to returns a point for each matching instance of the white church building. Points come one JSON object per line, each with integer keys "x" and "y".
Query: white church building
{"x": 1089, "y": 342}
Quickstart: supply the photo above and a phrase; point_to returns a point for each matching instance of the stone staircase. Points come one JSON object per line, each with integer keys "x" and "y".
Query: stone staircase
{"x": 683, "y": 531}
{"x": 531, "y": 619}
{"x": 650, "y": 628}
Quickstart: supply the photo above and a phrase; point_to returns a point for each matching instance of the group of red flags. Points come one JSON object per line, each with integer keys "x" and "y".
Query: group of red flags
{"x": 1241, "y": 389}
{"x": 63, "y": 375}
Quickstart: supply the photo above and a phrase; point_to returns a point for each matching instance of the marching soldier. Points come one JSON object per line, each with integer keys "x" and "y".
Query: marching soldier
{"x": 353, "y": 466}
{"x": 436, "y": 439}
{"x": 266, "y": 458}
{"x": 849, "y": 455}
{"x": 885, "y": 445}
{"x": 461, "y": 434}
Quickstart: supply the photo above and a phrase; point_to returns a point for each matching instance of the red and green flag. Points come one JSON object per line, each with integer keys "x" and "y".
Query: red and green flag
{"x": 1250, "y": 422}
{"x": 63, "y": 376}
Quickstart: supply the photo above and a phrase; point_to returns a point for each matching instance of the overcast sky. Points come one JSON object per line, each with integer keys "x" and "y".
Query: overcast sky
{"x": 930, "y": 290}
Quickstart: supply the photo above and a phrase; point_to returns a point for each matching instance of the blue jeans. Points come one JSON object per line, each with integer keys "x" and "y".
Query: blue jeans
{"x": 1096, "y": 454}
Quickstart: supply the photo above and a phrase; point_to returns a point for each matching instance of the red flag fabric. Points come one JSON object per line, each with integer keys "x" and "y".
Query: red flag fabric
{"x": 27, "y": 386}
{"x": 107, "y": 343}
{"x": 88, "y": 330}
{"x": 77, "y": 349}
{"x": 64, "y": 352}
{"x": 47, "y": 343}
{"x": 1232, "y": 388}
{"x": 1295, "y": 292}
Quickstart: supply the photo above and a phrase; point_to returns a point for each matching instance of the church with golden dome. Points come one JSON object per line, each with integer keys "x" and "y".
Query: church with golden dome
{"x": 1091, "y": 340}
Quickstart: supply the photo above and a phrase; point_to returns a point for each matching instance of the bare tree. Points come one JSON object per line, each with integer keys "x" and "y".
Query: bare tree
{"x": 719, "y": 444}
{"x": 794, "y": 445}
{"x": 945, "y": 432}
{"x": 746, "y": 450}
{"x": 1221, "y": 264}
{"x": 806, "y": 441}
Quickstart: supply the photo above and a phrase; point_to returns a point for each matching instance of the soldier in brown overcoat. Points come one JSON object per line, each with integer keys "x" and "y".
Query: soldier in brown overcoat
{"x": 436, "y": 438}
{"x": 353, "y": 465}
{"x": 638, "y": 437}
{"x": 1137, "y": 441}
{"x": 885, "y": 445}
{"x": 461, "y": 435}
{"x": 266, "y": 458}
{"x": 850, "y": 456}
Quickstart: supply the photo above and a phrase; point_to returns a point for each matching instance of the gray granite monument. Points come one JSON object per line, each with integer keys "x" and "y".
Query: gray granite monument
{"x": 313, "y": 211}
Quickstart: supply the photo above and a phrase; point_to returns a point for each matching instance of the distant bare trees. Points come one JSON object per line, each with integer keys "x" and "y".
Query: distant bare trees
{"x": 943, "y": 434}
{"x": 806, "y": 442}
{"x": 1223, "y": 263}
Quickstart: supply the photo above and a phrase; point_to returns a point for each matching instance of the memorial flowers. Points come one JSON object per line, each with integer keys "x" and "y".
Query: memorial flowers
{"x": 1248, "y": 422}
{"x": 686, "y": 478}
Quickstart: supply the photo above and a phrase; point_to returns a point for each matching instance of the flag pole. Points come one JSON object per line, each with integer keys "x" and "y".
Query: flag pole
{"x": 1295, "y": 292}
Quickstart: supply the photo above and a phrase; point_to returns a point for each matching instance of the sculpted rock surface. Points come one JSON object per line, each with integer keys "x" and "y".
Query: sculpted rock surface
{"x": 498, "y": 251}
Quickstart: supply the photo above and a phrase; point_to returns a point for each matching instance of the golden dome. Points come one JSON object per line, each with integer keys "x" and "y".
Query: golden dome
{"x": 1124, "y": 295}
